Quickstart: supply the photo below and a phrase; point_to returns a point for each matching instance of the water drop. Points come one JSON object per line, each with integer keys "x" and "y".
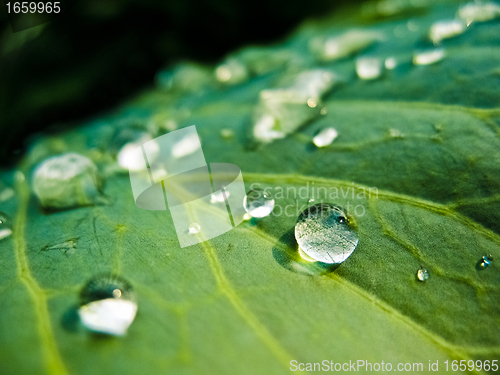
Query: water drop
{"x": 6, "y": 194}
{"x": 428, "y": 57}
{"x": 325, "y": 137}
{"x": 368, "y": 68}
{"x": 390, "y": 63}
{"x": 324, "y": 111}
{"x": 281, "y": 111}
{"x": 325, "y": 234}
{"x": 344, "y": 45}
{"x": 485, "y": 261}
{"x": 258, "y": 203}
{"x": 231, "y": 72}
{"x": 5, "y": 226}
{"x": 65, "y": 181}
{"x": 227, "y": 133}
{"x": 422, "y": 274}
{"x": 219, "y": 196}
{"x": 107, "y": 305}
{"x": 395, "y": 133}
{"x": 478, "y": 12}
{"x": 445, "y": 29}
{"x": 194, "y": 228}
{"x": 127, "y": 156}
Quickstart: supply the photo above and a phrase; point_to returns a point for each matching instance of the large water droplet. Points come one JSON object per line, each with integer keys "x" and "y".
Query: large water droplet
{"x": 194, "y": 228}
{"x": 325, "y": 234}
{"x": 445, "y": 29}
{"x": 325, "y": 137}
{"x": 107, "y": 305}
{"x": 5, "y": 226}
{"x": 282, "y": 111}
{"x": 422, "y": 274}
{"x": 65, "y": 181}
{"x": 368, "y": 67}
{"x": 258, "y": 203}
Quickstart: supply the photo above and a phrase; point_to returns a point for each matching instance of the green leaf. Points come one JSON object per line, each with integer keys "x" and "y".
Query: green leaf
{"x": 417, "y": 159}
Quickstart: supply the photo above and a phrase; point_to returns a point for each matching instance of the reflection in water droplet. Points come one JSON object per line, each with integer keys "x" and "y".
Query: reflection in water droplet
{"x": 258, "y": 203}
{"x": 390, "y": 63}
{"x": 485, "y": 261}
{"x": 478, "y": 12}
{"x": 324, "y": 233}
{"x": 428, "y": 57}
{"x": 306, "y": 257}
{"x": 107, "y": 305}
{"x": 368, "y": 67}
{"x": 445, "y": 29}
{"x": 65, "y": 181}
{"x": 5, "y": 226}
{"x": 422, "y": 274}
{"x": 325, "y": 137}
{"x": 247, "y": 217}
{"x": 194, "y": 228}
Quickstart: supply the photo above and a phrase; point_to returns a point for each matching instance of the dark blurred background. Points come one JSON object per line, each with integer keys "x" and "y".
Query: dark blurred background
{"x": 96, "y": 53}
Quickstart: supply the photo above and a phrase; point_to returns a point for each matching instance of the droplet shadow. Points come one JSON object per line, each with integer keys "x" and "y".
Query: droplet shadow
{"x": 286, "y": 253}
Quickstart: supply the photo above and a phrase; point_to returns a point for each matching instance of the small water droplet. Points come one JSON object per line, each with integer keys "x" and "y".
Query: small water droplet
{"x": 219, "y": 196}
{"x": 258, "y": 203}
{"x": 311, "y": 200}
{"x": 227, "y": 133}
{"x": 107, "y": 305}
{"x": 445, "y": 29}
{"x": 428, "y": 57}
{"x": 485, "y": 261}
{"x": 324, "y": 233}
{"x": 395, "y": 133}
{"x": 231, "y": 72}
{"x": 311, "y": 103}
{"x": 6, "y": 194}
{"x": 324, "y": 111}
{"x": 65, "y": 181}
{"x": 5, "y": 226}
{"x": 390, "y": 63}
{"x": 478, "y": 12}
{"x": 194, "y": 228}
{"x": 325, "y": 137}
{"x": 368, "y": 67}
{"x": 422, "y": 274}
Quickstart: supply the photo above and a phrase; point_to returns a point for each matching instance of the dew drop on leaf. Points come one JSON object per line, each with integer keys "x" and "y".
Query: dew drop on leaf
{"x": 107, "y": 305}
{"x": 258, "y": 203}
{"x": 325, "y": 137}
{"x": 485, "y": 261}
{"x": 428, "y": 57}
{"x": 324, "y": 233}
{"x": 422, "y": 274}
{"x": 194, "y": 228}
{"x": 68, "y": 180}
{"x": 5, "y": 226}
{"x": 368, "y": 68}
{"x": 445, "y": 29}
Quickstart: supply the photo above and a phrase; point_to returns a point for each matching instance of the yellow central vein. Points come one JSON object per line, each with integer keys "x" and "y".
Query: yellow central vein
{"x": 227, "y": 290}
{"x": 52, "y": 358}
